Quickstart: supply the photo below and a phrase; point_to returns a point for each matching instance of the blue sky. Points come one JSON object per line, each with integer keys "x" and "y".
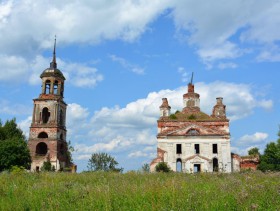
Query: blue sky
{"x": 121, "y": 57}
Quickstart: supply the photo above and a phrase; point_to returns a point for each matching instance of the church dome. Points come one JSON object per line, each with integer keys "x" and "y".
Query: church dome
{"x": 52, "y": 72}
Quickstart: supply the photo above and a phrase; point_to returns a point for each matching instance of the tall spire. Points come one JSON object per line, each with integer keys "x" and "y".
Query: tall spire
{"x": 53, "y": 63}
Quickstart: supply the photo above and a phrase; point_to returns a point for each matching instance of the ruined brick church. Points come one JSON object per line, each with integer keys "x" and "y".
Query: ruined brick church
{"x": 193, "y": 141}
{"x": 47, "y": 137}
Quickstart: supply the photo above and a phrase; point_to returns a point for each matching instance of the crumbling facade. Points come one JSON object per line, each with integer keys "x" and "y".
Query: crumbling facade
{"x": 192, "y": 141}
{"x": 47, "y": 137}
{"x": 241, "y": 163}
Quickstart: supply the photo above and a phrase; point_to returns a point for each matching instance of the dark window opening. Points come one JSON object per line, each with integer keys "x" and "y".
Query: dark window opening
{"x": 55, "y": 87}
{"x": 215, "y": 165}
{"x": 196, "y": 168}
{"x": 41, "y": 149}
{"x": 196, "y": 148}
{"x": 215, "y": 148}
{"x": 43, "y": 135}
{"x": 37, "y": 168}
{"x": 61, "y": 136}
{"x": 45, "y": 115}
{"x": 179, "y": 165}
{"x": 179, "y": 148}
{"x": 48, "y": 87}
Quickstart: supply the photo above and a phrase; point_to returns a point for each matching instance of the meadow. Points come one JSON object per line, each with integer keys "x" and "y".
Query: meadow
{"x": 139, "y": 191}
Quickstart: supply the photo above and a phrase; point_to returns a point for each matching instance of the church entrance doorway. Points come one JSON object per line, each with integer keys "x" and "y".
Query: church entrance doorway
{"x": 196, "y": 168}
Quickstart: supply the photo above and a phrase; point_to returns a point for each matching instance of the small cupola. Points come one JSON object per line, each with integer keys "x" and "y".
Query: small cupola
{"x": 52, "y": 78}
{"x": 164, "y": 108}
{"x": 191, "y": 99}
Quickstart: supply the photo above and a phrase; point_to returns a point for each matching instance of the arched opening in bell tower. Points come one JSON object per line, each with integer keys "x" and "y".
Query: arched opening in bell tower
{"x": 48, "y": 87}
{"x": 43, "y": 135}
{"x": 55, "y": 87}
{"x": 41, "y": 149}
{"x": 45, "y": 115}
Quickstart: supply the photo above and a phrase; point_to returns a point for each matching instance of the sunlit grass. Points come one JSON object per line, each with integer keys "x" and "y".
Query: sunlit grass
{"x": 135, "y": 191}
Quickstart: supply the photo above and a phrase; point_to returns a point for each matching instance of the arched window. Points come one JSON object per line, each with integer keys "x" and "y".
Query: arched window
{"x": 179, "y": 165}
{"x": 48, "y": 87}
{"x": 61, "y": 136}
{"x": 45, "y": 115}
{"x": 192, "y": 132}
{"x": 215, "y": 165}
{"x": 55, "y": 87}
{"x": 41, "y": 149}
{"x": 43, "y": 135}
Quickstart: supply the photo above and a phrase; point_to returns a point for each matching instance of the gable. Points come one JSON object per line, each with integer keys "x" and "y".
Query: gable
{"x": 193, "y": 130}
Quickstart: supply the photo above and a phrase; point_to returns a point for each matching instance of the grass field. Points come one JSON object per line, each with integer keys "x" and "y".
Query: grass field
{"x": 136, "y": 191}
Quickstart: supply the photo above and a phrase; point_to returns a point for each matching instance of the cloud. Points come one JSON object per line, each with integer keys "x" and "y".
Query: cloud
{"x": 21, "y": 70}
{"x": 227, "y": 65}
{"x": 254, "y": 138}
{"x": 220, "y": 30}
{"x": 216, "y": 31}
{"x": 100, "y": 20}
{"x": 125, "y": 64}
{"x": 24, "y": 126}
{"x": 13, "y": 109}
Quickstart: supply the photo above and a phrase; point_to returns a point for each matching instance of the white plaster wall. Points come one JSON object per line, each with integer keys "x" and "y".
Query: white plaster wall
{"x": 205, "y": 145}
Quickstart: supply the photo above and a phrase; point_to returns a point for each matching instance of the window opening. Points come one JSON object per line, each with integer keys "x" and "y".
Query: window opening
{"x": 43, "y": 135}
{"x": 55, "y": 87}
{"x": 215, "y": 165}
{"x": 41, "y": 149}
{"x": 179, "y": 148}
{"x": 61, "y": 136}
{"x": 179, "y": 165}
{"x": 45, "y": 115}
{"x": 215, "y": 148}
{"x": 196, "y": 148}
{"x": 48, "y": 87}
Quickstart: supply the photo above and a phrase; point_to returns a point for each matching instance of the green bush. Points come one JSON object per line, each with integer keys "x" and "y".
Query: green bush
{"x": 162, "y": 167}
{"x": 173, "y": 116}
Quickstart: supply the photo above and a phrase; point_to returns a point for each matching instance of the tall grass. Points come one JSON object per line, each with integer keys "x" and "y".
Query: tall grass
{"x": 135, "y": 191}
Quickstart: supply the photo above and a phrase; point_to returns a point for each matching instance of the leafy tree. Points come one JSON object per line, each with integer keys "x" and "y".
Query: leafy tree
{"x": 13, "y": 147}
{"x": 70, "y": 150}
{"x": 103, "y": 162}
{"x": 146, "y": 167}
{"x": 254, "y": 151}
{"x": 270, "y": 160}
{"x": 162, "y": 167}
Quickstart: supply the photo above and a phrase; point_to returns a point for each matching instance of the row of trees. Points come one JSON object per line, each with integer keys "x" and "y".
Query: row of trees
{"x": 14, "y": 152}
